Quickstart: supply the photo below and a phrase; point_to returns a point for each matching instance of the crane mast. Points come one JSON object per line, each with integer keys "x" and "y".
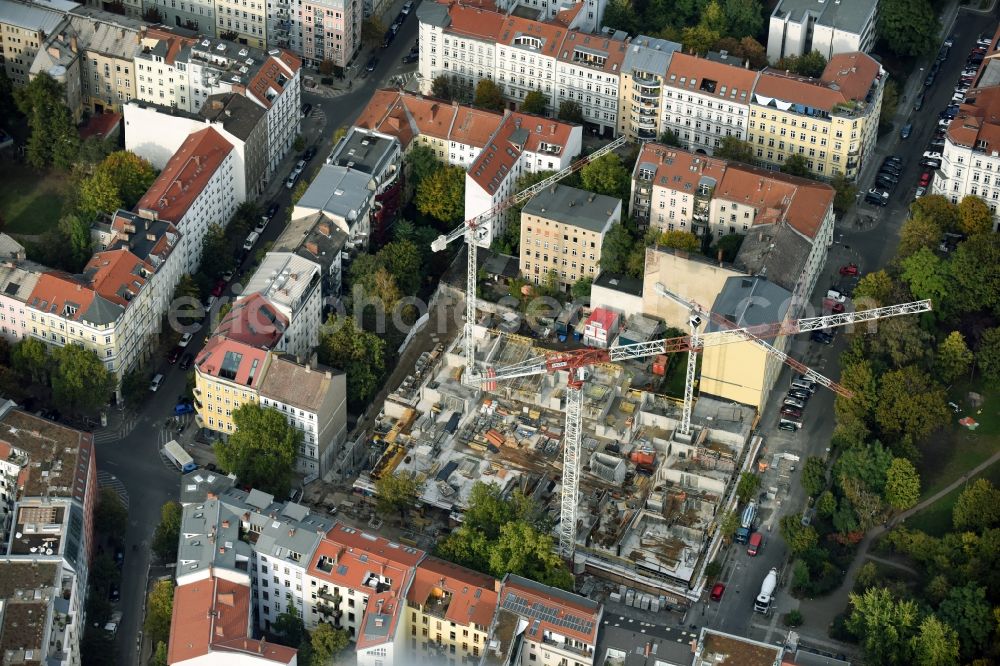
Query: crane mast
{"x": 475, "y": 229}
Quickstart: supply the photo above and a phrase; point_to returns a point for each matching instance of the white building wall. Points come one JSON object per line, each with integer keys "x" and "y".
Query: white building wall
{"x": 965, "y": 171}
{"x": 214, "y": 205}
{"x": 594, "y": 90}
{"x": 12, "y": 318}
{"x": 702, "y": 121}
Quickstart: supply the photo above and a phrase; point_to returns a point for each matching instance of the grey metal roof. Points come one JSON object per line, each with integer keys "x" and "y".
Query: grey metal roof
{"x": 649, "y": 54}
{"x": 259, "y": 499}
{"x": 196, "y": 485}
{"x": 338, "y": 191}
{"x": 751, "y": 300}
{"x": 775, "y": 251}
{"x": 847, "y": 15}
{"x": 568, "y": 205}
{"x": 238, "y": 115}
{"x": 30, "y": 16}
{"x": 433, "y": 13}
{"x": 364, "y": 150}
{"x": 106, "y": 33}
{"x": 665, "y": 645}
{"x": 312, "y": 237}
{"x": 102, "y": 311}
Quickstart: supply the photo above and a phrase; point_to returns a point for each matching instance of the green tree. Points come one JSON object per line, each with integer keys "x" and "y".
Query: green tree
{"x": 216, "y": 252}
{"x": 953, "y": 358}
{"x": 289, "y": 627}
{"x": 796, "y": 165}
{"x": 442, "y": 194}
{"x": 570, "y": 111}
{"x": 300, "y": 190}
{"x": 890, "y": 101}
{"x": 80, "y": 382}
{"x": 974, "y": 216}
{"x": 939, "y": 209}
{"x": 867, "y": 503}
{"x": 372, "y": 30}
{"x": 935, "y": 644}
{"x": 8, "y": 107}
{"x": 168, "y": 532}
{"x": 811, "y": 64}
{"x": 743, "y": 17}
{"x": 74, "y": 233}
{"x": 160, "y": 654}
{"x": 535, "y": 102}
{"x": 814, "y": 476}
{"x": 928, "y": 276}
{"x": 699, "y": 38}
{"x": 328, "y": 642}
{"x": 736, "y": 150}
{"x": 618, "y": 244}
{"x": 94, "y": 149}
{"x": 799, "y": 538}
{"x": 884, "y": 625}
{"x": 360, "y": 354}
{"x": 911, "y": 404}
{"x": 859, "y": 379}
{"x": 522, "y": 550}
{"x": 31, "y": 360}
{"x": 422, "y": 162}
{"x": 299, "y": 144}
{"x": 620, "y": 15}
{"x": 845, "y": 193}
{"x": 988, "y": 355}
{"x": 441, "y": 88}
{"x": 130, "y": 174}
{"x": 902, "y": 484}
{"x": 976, "y": 268}
{"x": 908, "y": 27}
{"x": 396, "y": 493}
{"x": 753, "y": 51}
{"x": 876, "y": 286}
{"x": 680, "y": 240}
{"x": 110, "y": 516}
{"x": 403, "y": 261}
{"x": 607, "y": 175}
{"x": 262, "y": 450}
{"x": 977, "y": 508}
{"x": 729, "y": 245}
{"x": 98, "y": 194}
{"x": 159, "y": 608}
{"x": 919, "y": 231}
{"x": 729, "y": 522}
{"x": 826, "y": 504}
{"x": 869, "y": 463}
{"x": 671, "y": 138}
{"x": 581, "y": 288}
{"x": 713, "y": 17}
{"x": 488, "y": 96}
{"x": 54, "y": 140}
{"x": 902, "y": 341}
{"x": 967, "y": 611}
{"x": 747, "y": 487}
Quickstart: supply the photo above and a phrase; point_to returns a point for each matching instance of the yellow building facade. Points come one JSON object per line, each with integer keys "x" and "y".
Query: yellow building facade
{"x": 226, "y": 376}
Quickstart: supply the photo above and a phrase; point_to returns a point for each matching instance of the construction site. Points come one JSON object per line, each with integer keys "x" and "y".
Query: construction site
{"x": 650, "y": 497}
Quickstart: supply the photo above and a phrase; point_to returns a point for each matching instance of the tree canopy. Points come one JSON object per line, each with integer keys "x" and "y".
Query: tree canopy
{"x": 607, "y": 175}
{"x": 911, "y": 404}
{"x": 360, "y": 354}
{"x": 978, "y": 507}
{"x": 535, "y": 102}
{"x": 161, "y": 604}
{"x": 80, "y": 382}
{"x": 736, "y": 150}
{"x": 796, "y": 165}
{"x": 908, "y": 27}
{"x": 974, "y": 216}
{"x": 902, "y": 484}
{"x": 680, "y": 240}
{"x": 168, "y": 532}
{"x": 54, "y": 140}
{"x": 488, "y": 96}
{"x": 442, "y": 194}
{"x": 395, "y": 493}
{"x": 262, "y": 450}
{"x": 570, "y": 111}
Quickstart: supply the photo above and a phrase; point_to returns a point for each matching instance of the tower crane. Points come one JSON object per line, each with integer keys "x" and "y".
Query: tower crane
{"x": 697, "y": 313}
{"x": 576, "y": 362}
{"x": 476, "y": 228}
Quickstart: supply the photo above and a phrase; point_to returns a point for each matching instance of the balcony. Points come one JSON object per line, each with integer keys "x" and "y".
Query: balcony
{"x": 644, "y": 134}
{"x": 438, "y": 606}
{"x": 567, "y": 647}
{"x": 647, "y": 81}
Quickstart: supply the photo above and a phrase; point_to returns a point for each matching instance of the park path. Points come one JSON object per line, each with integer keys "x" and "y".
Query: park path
{"x": 819, "y": 613}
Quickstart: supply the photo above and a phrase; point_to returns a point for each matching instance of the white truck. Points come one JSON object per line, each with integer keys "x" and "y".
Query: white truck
{"x": 766, "y": 596}
{"x": 178, "y": 456}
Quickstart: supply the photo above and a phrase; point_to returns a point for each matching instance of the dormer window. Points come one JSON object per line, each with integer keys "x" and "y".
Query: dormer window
{"x": 528, "y": 41}
{"x": 69, "y": 310}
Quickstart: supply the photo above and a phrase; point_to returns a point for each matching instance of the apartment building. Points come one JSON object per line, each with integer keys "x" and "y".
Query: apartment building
{"x": 17, "y": 280}
{"x": 198, "y": 16}
{"x": 588, "y": 71}
{"x": 197, "y": 188}
{"x": 314, "y": 401}
{"x": 590, "y": 12}
{"x": 797, "y": 27}
{"x": 61, "y": 59}
{"x": 705, "y": 101}
{"x": 832, "y": 121}
{"x": 562, "y": 234}
{"x": 156, "y": 132}
{"x": 542, "y": 625}
{"x": 642, "y": 79}
{"x": 718, "y": 647}
{"x": 284, "y": 24}
{"x": 24, "y": 27}
{"x": 330, "y": 30}
{"x": 970, "y": 162}
{"x": 449, "y": 610}
{"x": 520, "y": 145}
{"x": 242, "y": 22}
{"x": 455, "y": 132}
{"x": 291, "y": 285}
{"x": 227, "y": 375}
{"x": 277, "y": 86}
{"x": 672, "y": 189}
{"x": 344, "y": 197}
{"x": 316, "y": 239}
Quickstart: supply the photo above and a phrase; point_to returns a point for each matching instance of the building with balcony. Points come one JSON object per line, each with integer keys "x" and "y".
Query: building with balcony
{"x": 832, "y": 121}
{"x": 590, "y": 13}
{"x": 797, "y": 27}
{"x": 330, "y": 29}
{"x": 379, "y": 157}
{"x": 291, "y": 285}
{"x": 24, "y": 27}
{"x": 706, "y": 100}
{"x": 242, "y": 22}
{"x": 641, "y": 90}
{"x": 284, "y": 24}
{"x": 562, "y": 234}
{"x": 197, "y": 188}
{"x": 521, "y": 144}
{"x": 588, "y": 71}
{"x": 455, "y": 132}
{"x": 345, "y": 198}
{"x": 672, "y": 189}
{"x": 970, "y": 162}
{"x": 448, "y": 613}
{"x": 314, "y": 401}
{"x": 318, "y": 240}
{"x": 542, "y": 625}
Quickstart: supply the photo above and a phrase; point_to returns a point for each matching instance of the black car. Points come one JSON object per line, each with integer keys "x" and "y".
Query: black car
{"x": 823, "y": 337}
{"x": 272, "y": 210}
{"x": 114, "y": 592}
{"x": 929, "y": 81}
{"x": 892, "y": 169}
{"x": 410, "y": 57}
{"x": 892, "y": 176}
{"x": 306, "y": 109}
{"x": 372, "y": 64}
{"x": 943, "y": 53}
{"x": 930, "y": 163}
{"x": 878, "y": 201}
{"x": 119, "y": 556}
{"x": 887, "y": 184}
{"x": 186, "y": 361}
{"x": 387, "y": 38}
{"x": 309, "y": 154}
{"x": 919, "y": 102}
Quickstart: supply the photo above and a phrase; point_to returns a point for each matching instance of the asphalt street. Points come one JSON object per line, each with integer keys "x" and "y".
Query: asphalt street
{"x": 869, "y": 238}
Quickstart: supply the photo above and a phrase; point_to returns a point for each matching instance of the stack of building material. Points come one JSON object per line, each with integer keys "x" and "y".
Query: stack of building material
{"x": 609, "y": 468}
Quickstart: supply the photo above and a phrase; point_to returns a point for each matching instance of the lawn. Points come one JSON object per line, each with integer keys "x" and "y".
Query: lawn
{"x": 30, "y": 202}
{"x": 936, "y": 519}
{"x": 955, "y": 451}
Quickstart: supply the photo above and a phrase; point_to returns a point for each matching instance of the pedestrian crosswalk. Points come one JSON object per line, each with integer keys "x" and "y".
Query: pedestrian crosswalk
{"x": 119, "y": 427}
{"x": 109, "y": 480}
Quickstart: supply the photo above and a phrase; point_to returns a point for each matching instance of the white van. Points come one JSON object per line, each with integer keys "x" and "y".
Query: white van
{"x": 251, "y": 239}
{"x": 154, "y": 385}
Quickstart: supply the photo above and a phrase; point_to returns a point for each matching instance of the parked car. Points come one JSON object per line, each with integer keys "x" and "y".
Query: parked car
{"x": 114, "y": 592}
{"x": 889, "y": 175}
{"x": 878, "y": 201}
{"x": 823, "y": 337}
{"x": 154, "y": 385}
{"x": 885, "y": 183}
{"x": 290, "y": 182}
{"x": 306, "y": 109}
{"x": 929, "y": 81}
{"x": 921, "y": 191}
{"x": 878, "y": 192}
{"x": 299, "y": 167}
{"x": 218, "y": 287}
{"x": 798, "y": 394}
{"x": 905, "y": 131}
{"x": 371, "y": 64}
{"x": 793, "y": 401}
{"x": 272, "y": 210}
{"x": 717, "y": 591}
{"x": 943, "y": 54}
{"x": 410, "y": 57}
{"x": 789, "y": 425}
{"x": 794, "y": 412}
{"x": 919, "y": 102}
{"x": 309, "y": 154}
{"x": 182, "y": 408}
{"x": 174, "y": 354}
{"x": 186, "y": 361}
{"x": 185, "y": 340}
{"x": 931, "y": 163}
{"x": 251, "y": 239}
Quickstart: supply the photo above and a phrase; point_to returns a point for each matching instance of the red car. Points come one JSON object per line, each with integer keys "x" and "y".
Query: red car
{"x": 220, "y": 286}
{"x": 925, "y": 179}
{"x": 788, "y": 410}
{"x": 174, "y": 354}
{"x": 850, "y": 269}
{"x": 717, "y": 592}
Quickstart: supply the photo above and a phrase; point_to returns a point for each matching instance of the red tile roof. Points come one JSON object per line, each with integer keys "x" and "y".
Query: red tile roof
{"x": 848, "y": 77}
{"x": 853, "y": 73}
{"x": 54, "y": 291}
{"x": 174, "y": 41}
{"x": 679, "y": 169}
{"x": 517, "y": 133}
{"x": 186, "y": 175}
{"x": 977, "y": 124}
{"x": 482, "y": 24}
{"x": 473, "y": 596}
{"x": 117, "y": 275}
{"x": 801, "y": 202}
{"x": 708, "y": 77}
{"x": 254, "y": 321}
{"x": 101, "y": 125}
{"x": 273, "y": 76}
{"x": 613, "y": 49}
{"x": 231, "y": 360}
{"x": 405, "y": 115}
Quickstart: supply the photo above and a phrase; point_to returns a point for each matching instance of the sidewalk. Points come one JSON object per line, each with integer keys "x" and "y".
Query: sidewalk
{"x": 820, "y": 613}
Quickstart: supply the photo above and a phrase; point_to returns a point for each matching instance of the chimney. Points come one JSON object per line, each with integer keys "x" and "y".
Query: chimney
{"x": 73, "y": 45}
{"x": 225, "y": 523}
{"x": 216, "y": 104}
{"x": 323, "y": 228}
{"x": 312, "y": 247}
